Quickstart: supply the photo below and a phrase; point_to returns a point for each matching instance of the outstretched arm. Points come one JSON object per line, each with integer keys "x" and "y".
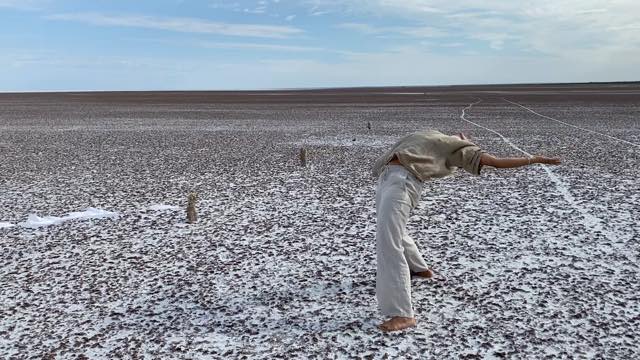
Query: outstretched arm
{"x": 490, "y": 160}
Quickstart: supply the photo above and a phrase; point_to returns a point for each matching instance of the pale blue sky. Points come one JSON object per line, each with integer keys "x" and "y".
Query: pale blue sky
{"x": 213, "y": 44}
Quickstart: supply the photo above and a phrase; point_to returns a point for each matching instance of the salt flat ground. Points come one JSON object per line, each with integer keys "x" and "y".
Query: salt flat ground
{"x": 539, "y": 262}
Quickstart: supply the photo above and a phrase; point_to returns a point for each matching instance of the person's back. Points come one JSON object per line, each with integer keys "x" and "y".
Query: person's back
{"x": 431, "y": 154}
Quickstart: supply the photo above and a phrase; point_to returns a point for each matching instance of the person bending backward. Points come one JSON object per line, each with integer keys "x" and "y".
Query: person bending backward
{"x": 400, "y": 171}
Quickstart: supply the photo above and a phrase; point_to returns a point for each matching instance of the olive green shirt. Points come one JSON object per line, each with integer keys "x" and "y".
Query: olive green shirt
{"x": 432, "y": 154}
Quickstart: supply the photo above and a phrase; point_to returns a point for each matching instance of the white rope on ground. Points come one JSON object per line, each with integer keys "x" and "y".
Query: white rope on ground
{"x": 486, "y": 128}
{"x": 574, "y": 126}
{"x": 589, "y": 221}
{"x": 592, "y": 223}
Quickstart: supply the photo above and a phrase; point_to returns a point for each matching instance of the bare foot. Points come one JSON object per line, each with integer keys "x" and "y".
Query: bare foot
{"x": 397, "y": 323}
{"x": 423, "y": 274}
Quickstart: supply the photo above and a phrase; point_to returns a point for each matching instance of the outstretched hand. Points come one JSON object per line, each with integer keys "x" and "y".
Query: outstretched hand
{"x": 546, "y": 160}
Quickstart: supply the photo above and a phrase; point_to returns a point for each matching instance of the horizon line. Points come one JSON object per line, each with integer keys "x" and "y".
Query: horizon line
{"x": 320, "y": 88}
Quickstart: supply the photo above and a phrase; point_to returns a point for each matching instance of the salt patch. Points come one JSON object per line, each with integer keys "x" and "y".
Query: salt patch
{"x": 162, "y": 207}
{"x": 4, "y": 225}
{"x": 35, "y": 221}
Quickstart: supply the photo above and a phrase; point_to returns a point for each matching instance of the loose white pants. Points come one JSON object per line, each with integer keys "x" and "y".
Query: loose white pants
{"x": 397, "y": 194}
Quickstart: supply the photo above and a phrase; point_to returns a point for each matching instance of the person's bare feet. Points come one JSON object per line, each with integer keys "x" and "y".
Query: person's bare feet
{"x": 423, "y": 274}
{"x": 397, "y": 323}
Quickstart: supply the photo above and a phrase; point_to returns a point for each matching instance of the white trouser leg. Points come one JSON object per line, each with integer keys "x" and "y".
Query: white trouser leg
{"x": 397, "y": 194}
{"x": 414, "y": 258}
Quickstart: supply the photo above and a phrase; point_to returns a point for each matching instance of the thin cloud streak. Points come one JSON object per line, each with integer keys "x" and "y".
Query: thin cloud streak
{"x": 186, "y": 25}
{"x": 416, "y": 31}
{"x": 592, "y": 11}
{"x": 21, "y": 4}
{"x": 256, "y": 46}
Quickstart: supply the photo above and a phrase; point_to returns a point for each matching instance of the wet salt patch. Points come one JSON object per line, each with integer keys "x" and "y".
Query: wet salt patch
{"x": 34, "y": 221}
{"x": 4, "y": 225}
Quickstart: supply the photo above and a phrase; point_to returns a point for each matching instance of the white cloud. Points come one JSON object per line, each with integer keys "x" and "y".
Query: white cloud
{"x": 417, "y": 31}
{"x": 551, "y": 27}
{"x": 360, "y": 27}
{"x": 188, "y": 25}
{"x": 417, "y": 6}
{"x": 592, "y": 11}
{"x": 258, "y": 46}
{"x": 257, "y": 10}
{"x": 290, "y": 17}
{"x": 625, "y": 27}
{"x": 22, "y": 4}
{"x": 226, "y": 5}
{"x": 453, "y": 45}
{"x": 496, "y": 40}
{"x": 421, "y": 32}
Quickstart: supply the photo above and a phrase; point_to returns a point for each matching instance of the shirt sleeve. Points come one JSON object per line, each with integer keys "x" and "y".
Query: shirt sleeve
{"x": 468, "y": 158}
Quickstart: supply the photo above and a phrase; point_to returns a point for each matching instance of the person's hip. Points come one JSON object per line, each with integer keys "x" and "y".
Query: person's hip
{"x": 397, "y": 178}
